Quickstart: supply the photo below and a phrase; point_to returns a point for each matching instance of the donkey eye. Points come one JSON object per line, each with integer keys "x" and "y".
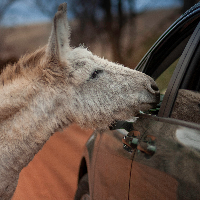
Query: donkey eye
{"x": 96, "y": 73}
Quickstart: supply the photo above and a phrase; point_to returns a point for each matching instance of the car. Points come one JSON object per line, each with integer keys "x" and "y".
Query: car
{"x": 157, "y": 154}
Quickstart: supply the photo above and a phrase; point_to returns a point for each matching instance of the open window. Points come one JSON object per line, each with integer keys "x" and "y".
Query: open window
{"x": 175, "y": 66}
{"x": 162, "y": 73}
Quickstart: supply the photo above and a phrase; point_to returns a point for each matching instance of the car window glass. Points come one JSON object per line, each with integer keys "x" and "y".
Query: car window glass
{"x": 163, "y": 80}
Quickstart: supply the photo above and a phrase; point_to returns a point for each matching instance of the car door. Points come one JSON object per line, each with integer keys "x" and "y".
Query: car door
{"x": 166, "y": 162}
{"x": 112, "y": 167}
{"x": 172, "y": 171}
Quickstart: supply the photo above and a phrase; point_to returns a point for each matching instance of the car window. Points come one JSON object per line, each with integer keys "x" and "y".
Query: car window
{"x": 163, "y": 80}
{"x": 166, "y": 64}
{"x": 163, "y": 71}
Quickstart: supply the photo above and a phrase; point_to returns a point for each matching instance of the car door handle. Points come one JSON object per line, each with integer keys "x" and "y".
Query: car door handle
{"x": 146, "y": 148}
{"x": 145, "y": 145}
{"x": 131, "y": 141}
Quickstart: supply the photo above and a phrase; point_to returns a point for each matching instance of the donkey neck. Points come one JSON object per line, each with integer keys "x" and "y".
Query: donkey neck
{"x": 29, "y": 115}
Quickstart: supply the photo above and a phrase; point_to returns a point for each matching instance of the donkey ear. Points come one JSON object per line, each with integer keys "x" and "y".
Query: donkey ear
{"x": 58, "y": 43}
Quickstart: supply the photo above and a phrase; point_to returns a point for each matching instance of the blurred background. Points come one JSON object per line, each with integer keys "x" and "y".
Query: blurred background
{"x": 119, "y": 30}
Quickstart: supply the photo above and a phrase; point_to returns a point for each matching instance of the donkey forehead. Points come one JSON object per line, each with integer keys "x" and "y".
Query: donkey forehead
{"x": 79, "y": 54}
{"x": 80, "y": 57}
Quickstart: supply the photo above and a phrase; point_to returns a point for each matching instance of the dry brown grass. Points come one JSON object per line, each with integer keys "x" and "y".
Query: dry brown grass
{"x": 147, "y": 28}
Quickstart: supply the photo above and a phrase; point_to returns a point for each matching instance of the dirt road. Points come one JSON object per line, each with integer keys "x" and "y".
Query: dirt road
{"x": 52, "y": 174}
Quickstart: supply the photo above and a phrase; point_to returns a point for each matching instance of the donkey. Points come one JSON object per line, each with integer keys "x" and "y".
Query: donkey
{"x": 56, "y": 86}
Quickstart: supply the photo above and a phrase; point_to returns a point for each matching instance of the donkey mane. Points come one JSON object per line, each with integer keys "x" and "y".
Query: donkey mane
{"x": 26, "y": 64}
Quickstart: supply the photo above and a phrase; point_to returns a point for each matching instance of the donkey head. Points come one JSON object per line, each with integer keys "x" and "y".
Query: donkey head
{"x": 95, "y": 91}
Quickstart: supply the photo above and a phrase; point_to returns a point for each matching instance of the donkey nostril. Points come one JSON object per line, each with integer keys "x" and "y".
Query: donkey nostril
{"x": 154, "y": 87}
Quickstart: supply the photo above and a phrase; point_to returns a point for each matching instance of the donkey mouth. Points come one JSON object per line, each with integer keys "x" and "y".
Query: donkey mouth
{"x": 145, "y": 107}
{"x": 151, "y": 108}
{"x": 156, "y": 100}
{"x": 153, "y": 105}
